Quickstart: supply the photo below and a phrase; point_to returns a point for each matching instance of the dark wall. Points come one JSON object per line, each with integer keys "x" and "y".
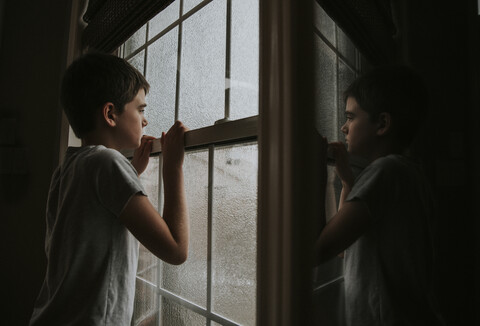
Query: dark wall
{"x": 32, "y": 56}
{"x": 441, "y": 40}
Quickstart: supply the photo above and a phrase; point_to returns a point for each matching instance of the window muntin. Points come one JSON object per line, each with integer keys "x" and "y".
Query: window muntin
{"x": 201, "y": 59}
{"x": 206, "y": 52}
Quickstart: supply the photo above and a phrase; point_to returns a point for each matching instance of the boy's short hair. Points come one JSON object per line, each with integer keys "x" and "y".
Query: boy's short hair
{"x": 397, "y": 90}
{"x": 93, "y": 80}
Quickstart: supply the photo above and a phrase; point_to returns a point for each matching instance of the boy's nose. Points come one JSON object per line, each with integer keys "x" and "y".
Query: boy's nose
{"x": 144, "y": 123}
{"x": 344, "y": 129}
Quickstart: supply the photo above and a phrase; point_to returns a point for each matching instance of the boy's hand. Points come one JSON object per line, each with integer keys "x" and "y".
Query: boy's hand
{"x": 342, "y": 166}
{"x": 323, "y": 145}
{"x": 173, "y": 145}
{"x": 141, "y": 155}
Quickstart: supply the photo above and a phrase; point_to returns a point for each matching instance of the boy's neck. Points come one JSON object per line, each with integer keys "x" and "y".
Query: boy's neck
{"x": 381, "y": 150}
{"x": 99, "y": 138}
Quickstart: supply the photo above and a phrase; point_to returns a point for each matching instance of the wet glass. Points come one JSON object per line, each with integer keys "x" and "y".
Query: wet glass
{"x": 147, "y": 276}
{"x": 161, "y": 73}
{"x": 202, "y": 77}
{"x": 190, "y": 4}
{"x": 234, "y": 233}
{"x": 135, "y": 41}
{"x": 138, "y": 61}
{"x": 174, "y": 314}
{"x": 163, "y": 19}
{"x": 189, "y": 280}
{"x": 324, "y": 23}
{"x": 244, "y": 70}
{"x": 337, "y": 63}
{"x": 325, "y": 79}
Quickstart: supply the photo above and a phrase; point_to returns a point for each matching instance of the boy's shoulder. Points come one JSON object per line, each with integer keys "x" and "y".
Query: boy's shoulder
{"x": 94, "y": 152}
{"x": 101, "y": 152}
{"x": 396, "y": 166}
{"x": 97, "y": 155}
{"x": 393, "y": 161}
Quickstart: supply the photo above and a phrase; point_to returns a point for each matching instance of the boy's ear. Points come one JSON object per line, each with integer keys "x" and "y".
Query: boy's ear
{"x": 108, "y": 114}
{"x": 384, "y": 123}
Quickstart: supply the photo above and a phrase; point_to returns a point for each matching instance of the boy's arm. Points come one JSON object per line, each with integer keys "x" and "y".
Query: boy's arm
{"x": 166, "y": 238}
{"x": 342, "y": 169}
{"x": 352, "y": 218}
{"x": 351, "y": 221}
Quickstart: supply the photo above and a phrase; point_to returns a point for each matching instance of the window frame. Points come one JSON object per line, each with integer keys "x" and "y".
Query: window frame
{"x": 284, "y": 69}
{"x": 223, "y": 132}
{"x": 193, "y": 145}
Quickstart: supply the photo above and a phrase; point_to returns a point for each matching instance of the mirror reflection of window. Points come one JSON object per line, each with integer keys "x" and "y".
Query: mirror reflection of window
{"x": 337, "y": 63}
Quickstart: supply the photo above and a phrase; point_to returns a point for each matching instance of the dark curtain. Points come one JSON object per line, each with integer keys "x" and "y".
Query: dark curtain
{"x": 112, "y": 22}
{"x": 369, "y": 24}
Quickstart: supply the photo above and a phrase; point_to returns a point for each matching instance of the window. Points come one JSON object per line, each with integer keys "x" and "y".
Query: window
{"x": 201, "y": 59}
{"x": 337, "y": 64}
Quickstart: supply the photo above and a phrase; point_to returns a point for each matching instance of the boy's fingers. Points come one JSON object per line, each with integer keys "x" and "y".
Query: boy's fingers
{"x": 147, "y": 137}
{"x": 148, "y": 148}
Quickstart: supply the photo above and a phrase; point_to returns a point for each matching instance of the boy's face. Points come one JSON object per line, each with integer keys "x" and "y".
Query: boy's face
{"x": 131, "y": 121}
{"x": 359, "y": 130}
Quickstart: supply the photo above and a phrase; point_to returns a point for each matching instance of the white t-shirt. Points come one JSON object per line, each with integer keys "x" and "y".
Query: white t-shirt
{"x": 388, "y": 269}
{"x": 92, "y": 257}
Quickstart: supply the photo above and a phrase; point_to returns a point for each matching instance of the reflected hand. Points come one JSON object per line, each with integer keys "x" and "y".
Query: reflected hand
{"x": 322, "y": 144}
{"x": 342, "y": 166}
{"x": 141, "y": 155}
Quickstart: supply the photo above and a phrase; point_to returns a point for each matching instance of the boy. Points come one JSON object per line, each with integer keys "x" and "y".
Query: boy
{"x": 96, "y": 202}
{"x": 384, "y": 218}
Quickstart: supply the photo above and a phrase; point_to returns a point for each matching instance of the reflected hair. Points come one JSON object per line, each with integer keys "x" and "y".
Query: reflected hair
{"x": 93, "y": 80}
{"x": 397, "y": 90}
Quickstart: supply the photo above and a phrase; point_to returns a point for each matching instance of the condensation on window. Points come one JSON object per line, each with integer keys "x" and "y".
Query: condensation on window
{"x": 198, "y": 77}
{"x": 161, "y": 73}
{"x": 234, "y": 233}
{"x": 189, "y": 280}
{"x": 337, "y": 62}
{"x": 202, "y": 72}
{"x": 243, "y": 83}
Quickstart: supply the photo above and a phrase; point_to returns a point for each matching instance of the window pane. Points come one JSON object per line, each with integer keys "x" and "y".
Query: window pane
{"x": 202, "y": 86}
{"x": 333, "y": 268}
{"x": 164, "y": 18}
{"x": 189, "y": 4}
{"x": 176, "y": 315}
{"x": 324, "y": 23}
{"x": 244, "y": 59}
{"x": 325, "y": 91}
{"x": 135, "y": 41}
{"x": 189, "y": 280}
{"x": 150, "y": 178}
{"x": 161, "y": 74}
{"x": 145, "y": 293}
{"x": 346, "y": 47}
{"x": 335, "y": 68}
{"x": 145, "y": 303}
{"x": 138, "y": 61}
{"x": 329, "y": 305}
{"x": 234, "y": 233}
